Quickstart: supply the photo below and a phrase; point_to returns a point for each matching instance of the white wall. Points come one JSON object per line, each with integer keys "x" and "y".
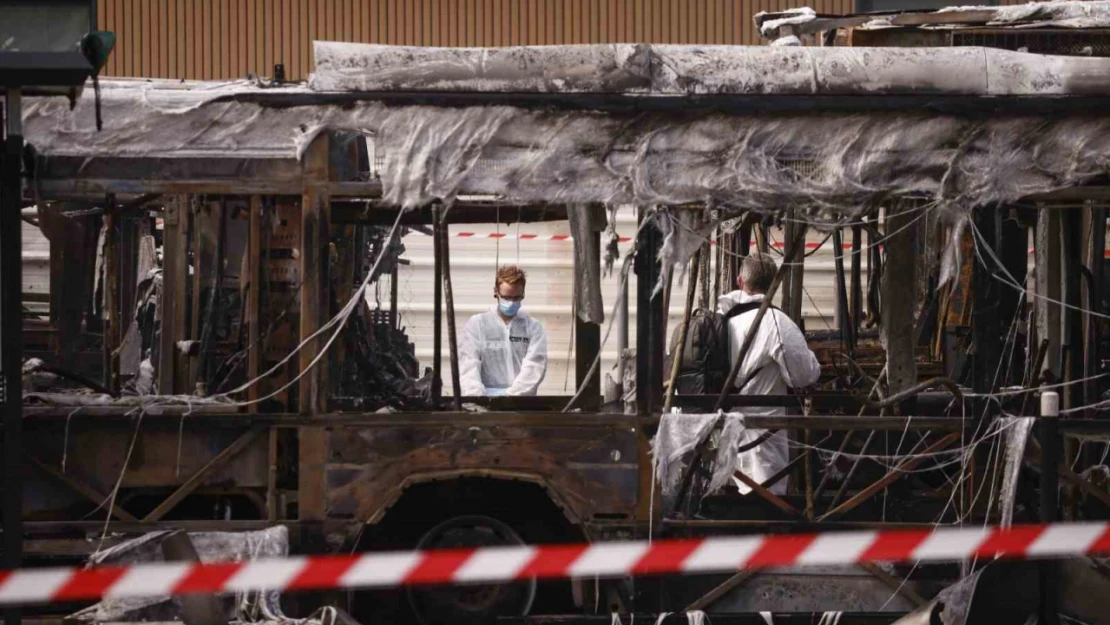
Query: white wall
{"x": 36, "y": 266}
{"x": 550, "y": 267}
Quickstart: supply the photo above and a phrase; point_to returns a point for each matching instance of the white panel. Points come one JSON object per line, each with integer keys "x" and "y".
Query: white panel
{"x": 36, "y": 266}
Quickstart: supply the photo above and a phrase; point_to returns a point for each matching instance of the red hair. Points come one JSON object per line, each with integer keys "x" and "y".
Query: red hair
{"x": 511, "y": 275}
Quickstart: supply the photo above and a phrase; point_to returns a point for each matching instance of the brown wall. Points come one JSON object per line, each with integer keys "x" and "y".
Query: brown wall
{"x": 220, "y": 39}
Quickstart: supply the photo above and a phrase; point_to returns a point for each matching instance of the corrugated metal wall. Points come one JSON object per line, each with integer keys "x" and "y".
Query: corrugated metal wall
{"x": 221, "y": 39}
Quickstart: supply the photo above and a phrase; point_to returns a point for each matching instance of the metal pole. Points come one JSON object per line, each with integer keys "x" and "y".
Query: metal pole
{"x": 1073, "y": 317}
{"x": 622, "y": 340}
{"x": 787, "y": 300}
{"x": 746, "y": 236}
{"x": 1074, "y": 394}
{"x": 857, "y": 283}
{"x": 703, "y": 278}
{"x": 680, "y": 349}
{"x": 109, "y": 320}
{"x": 1094, "y": 300}
{"x": 843, "y": 314}
{"x": 1048, "y": 426}
{"x": 587, "y": 345}
{"x": 437, "y": 309}
{"x": 445, "y": 255}
{"x": 393, "y": 296}
{"x": 11, "y": 339}
{"x": 649, "y": 322}
{"x": 718, "y": 265}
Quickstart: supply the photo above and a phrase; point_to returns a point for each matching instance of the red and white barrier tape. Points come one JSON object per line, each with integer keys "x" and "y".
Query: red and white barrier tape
{"x": 497, "y": 564}
{"x": 505, "y": 235}
{"x": 568, "y": 238}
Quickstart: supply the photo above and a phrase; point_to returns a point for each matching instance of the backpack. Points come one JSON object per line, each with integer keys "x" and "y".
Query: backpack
{"x": 705, "y": 360}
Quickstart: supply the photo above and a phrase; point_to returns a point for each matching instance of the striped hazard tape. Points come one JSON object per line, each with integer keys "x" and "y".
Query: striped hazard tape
{"x": 496, "y": 564}
{"x": 512, "y": 237}
{"x": 568, "y": 238}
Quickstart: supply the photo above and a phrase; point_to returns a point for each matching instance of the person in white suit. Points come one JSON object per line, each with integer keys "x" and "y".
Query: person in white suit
{"x": 779, "y": 358}
{"x": 503, "y": 351}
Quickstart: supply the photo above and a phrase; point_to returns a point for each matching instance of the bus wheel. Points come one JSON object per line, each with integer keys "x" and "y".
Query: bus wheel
{"x": 470, "y": 604}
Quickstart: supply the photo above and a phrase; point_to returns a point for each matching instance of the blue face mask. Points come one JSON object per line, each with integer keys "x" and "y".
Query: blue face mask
{"x": 509, "y": 309}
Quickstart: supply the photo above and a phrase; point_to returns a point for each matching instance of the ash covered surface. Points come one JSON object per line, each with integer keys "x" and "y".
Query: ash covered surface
{"x": 1069, "y": 14}
{"x": 742, "y": 161}
{"x": 618, "y": 68}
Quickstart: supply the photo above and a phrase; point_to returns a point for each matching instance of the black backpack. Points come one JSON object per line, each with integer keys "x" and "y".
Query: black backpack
{"x": 705, "y": 361}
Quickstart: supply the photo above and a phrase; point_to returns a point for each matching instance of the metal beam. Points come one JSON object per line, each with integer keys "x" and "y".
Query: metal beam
{"x": 97, "y": 188}
{"x": 899, "y": 297}
{"x": 684, "y": 331}
{"x": 588, "y": 342}
{"x": 844, "y": 314}
{"x": 313, "y": 389}
{"x": 444, "y": 244}
{"x": 81, "y": 488}
{"x": 725, "y": 102}
{"x": 11, "y": 333}
{"x": 892, "y": 476}
{"x": 1073, "y": 248}
{"x": 255, "y": 276}
{"x": 649, "y": 321}
{"x": 1047, "y": 267}
{"x": 765, "y": 494}
{"x": 437, "y": 306}
{"x": 1093, "y": 360}
{"x": 175, "y": 271}
{"x": 899, "y": 586}
{"x": 722, "y": 589}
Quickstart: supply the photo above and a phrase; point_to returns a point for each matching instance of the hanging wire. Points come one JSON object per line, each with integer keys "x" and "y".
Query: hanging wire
{"x": 864, "y": 248}
{"x": 1013, "y": 283}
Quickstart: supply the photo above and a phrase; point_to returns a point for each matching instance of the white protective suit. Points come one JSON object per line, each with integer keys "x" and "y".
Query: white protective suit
{"x": 779, "y": 358}
{"x": 496, "y": 358}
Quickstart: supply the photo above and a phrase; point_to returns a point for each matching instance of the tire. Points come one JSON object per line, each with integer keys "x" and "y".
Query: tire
{"x": 470, "y": 604}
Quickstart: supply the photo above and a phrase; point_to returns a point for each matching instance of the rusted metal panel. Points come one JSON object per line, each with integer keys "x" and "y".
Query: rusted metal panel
{"x": 587, "y": 470}
{"x": 595, "y": 471}
{"x": 163, "y": 455}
